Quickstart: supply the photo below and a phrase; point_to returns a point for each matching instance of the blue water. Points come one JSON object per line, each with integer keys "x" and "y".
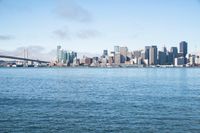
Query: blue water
{"x": 99, "y": 100}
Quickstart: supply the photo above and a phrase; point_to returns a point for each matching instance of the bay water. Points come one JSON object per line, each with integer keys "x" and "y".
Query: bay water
{"x": 87, "y": 100}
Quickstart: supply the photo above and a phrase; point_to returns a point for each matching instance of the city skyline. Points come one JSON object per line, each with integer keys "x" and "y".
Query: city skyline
{"x": 85, "y": 27}
{"x": 121, "y": 56}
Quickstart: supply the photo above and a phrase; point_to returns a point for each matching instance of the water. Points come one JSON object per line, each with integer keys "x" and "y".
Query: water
{"x": 99, "y": 100}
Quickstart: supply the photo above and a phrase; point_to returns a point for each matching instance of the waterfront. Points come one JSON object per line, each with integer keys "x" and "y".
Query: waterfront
{"x": 99, "y": 100}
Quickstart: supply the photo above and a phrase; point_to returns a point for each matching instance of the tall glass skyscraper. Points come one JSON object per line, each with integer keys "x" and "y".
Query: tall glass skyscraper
{"x": 65, "y": 57}
{"x": 183, "y": 48}
{"x": 153, "y": 53}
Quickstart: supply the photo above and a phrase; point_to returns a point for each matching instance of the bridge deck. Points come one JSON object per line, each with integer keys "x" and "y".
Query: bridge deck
{"x": 24, "y": 59}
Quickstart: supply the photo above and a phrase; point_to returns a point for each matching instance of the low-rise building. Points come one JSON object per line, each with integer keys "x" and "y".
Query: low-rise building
{"x": 180, "y": 61}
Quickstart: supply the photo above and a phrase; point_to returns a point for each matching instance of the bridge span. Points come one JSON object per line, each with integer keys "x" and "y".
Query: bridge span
{"x": 23, "y": 59}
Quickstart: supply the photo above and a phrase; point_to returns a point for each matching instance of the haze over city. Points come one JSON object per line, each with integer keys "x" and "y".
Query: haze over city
{"x": 90, "y": 26}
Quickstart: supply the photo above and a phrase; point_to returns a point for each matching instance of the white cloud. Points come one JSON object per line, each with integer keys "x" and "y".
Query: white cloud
{"x": 72, "y": 11}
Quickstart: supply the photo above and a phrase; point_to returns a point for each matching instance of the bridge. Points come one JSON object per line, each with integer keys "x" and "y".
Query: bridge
{"x": 24, "y": 59}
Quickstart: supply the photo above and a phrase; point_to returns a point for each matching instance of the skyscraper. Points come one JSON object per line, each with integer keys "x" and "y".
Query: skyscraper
{"x": 58, "y": 53}
{"x": 123, "y": 53}
{"x": 105, "y": 53}
{"x": 174, "y": 52}
{"x": 153, "y": 55}
{"x": 164, "y": 49}
{"x": 161, "y": 58}
{"x": 116, "y": 49}
{"x": 65, "y": 57}
{"x": 147, "y": 49}
{"x": 183, "y": 48}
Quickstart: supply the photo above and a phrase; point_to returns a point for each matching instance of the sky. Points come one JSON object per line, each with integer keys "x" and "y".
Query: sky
{"x": 93, "y": 25}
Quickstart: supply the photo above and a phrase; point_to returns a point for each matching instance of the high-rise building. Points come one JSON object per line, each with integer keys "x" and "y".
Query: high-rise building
{"x": 123, "y": 53}
{"x": 117, "y": 58}
{"x": 105, "y": 53}
{"x": 58, "y": 53}
{"x": 174, "y": 51}
{"x": 137, "y": 53}
{"x": 153, "y": 55}
{"x": 170, "y": 58}
{"x": 65, "y": 57}
{"x": 147, "y": 49}
{"x": 146, "y": 54}
{"x": 183, "y": 48}
{"x": 164, "y": 49}
{"x": 161, "y": 58}
{"x": 179, "y": 61}
{"x": 116, "y": 49}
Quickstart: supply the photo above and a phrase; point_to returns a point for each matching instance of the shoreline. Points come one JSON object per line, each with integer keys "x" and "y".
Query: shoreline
{"x": 89, "y": 67}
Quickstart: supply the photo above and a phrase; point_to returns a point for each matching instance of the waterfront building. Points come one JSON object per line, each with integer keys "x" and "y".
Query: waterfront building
{"x": 174, "y": 51}
{"x": 123, "y": 53}
{"x": 161, "y": 58}
{"x": 105, "y": 53}
{"x": 164, "y": 49}
{"x": 117, "y": 58}
{"x": 192, "y": 60}
{"x": 86, "y": 61}
{"x": 65, "y": 57}
{"x": 76, "y": 62}
{"x": 116, "y": 49}
{"x": 197, "y": 60}
{"x": 146, "y": 62}
{"x": 180, "y": 61}
{"x": 137, "y": 53}
{"x": 184, "y": 50}
{"x": 147, "y": 51}
{"x": 129, "y": 56}
{"x": 111, "y": 60}
{"x": 170, "y": 58}
{"x": 104, "y": 61}
{"x": 58, "y": 53}
{"x": 95, "y": 59}
{"x": 153, "y": 55}
{"x": 143, "y": 55}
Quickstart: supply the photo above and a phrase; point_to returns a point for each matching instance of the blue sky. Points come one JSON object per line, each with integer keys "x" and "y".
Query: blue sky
{"x": 94, "y": 25}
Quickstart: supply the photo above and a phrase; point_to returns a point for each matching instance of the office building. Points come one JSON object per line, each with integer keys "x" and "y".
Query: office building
{"x": 117, "y": 59}
{"x": 174, "y": 52}
{"x": 137, "y": 53}
{"x": 164, "y": 49}
{"x": 65, "y": 57}
{"x": 123, "y": 53}
{"x": 170, "y": 58}
{"x": 179, "y": 61}
{"x": 105, "y": 53}
{"x": 183, "y": 48}
{"x": 147, "y": 50}
{"x": 161, "y": 58}
{"x": 153, "y": 55}
{"x": 116, "y": 49}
